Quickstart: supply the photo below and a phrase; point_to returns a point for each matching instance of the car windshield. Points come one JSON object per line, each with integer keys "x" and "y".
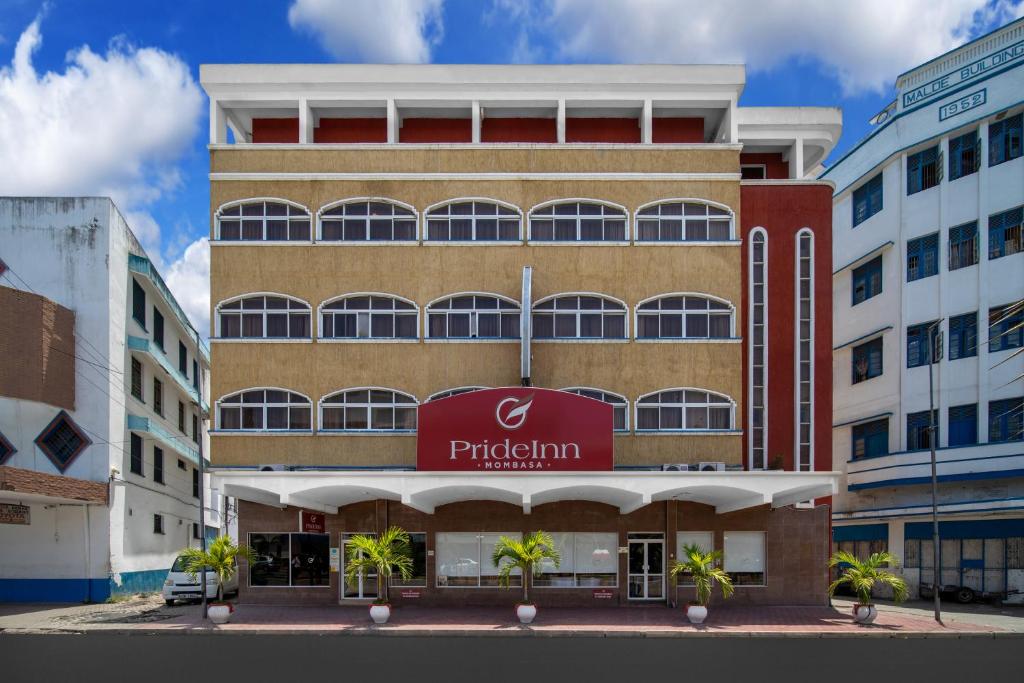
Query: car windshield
{"x": 179, "y": 565}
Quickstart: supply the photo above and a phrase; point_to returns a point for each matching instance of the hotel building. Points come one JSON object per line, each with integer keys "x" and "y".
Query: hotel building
{"x": 927, "y": 237}
{"x": 411, "y": 263}
{"x": 101, "y": 417}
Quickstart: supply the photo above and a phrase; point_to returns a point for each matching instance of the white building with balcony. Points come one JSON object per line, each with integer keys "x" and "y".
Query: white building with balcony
{"x": 927, "y": 237}
{"x": 101, "y": 414}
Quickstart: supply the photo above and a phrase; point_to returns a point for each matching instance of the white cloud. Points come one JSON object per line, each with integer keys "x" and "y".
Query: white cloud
{"x": 189, "y": 281}
{"x": 111, "y": 124}
{"x": 863, "y": 44}
{"x": 386, "y": 31}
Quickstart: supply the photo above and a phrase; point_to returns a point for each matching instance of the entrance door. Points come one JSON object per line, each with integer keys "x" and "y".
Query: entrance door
{"x": 362, "y": 586}
{"x": 646, "y": 566}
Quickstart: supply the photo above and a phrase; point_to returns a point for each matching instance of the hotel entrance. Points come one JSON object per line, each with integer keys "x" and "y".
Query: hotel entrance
{"x": 646, "y": 566}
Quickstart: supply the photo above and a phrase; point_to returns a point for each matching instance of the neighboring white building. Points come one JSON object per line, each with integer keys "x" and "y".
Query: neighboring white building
{"x": 927, "y": 229}
{"x": 100, "y": 413}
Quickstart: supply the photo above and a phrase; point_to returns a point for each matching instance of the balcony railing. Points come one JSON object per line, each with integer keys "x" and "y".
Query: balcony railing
{"x": 960, "y": 463}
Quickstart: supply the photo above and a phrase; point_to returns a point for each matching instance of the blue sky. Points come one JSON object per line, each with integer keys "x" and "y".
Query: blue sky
{"x": 143, "y": 57}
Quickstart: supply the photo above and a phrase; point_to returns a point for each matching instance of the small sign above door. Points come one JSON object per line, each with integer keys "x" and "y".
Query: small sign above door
{"x": 312, "y": 522}
{"x": 15, "y": 514}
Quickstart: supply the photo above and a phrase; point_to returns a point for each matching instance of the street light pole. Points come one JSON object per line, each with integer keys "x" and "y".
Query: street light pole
{"x": 198, "y": 379}
{"x": 934, "y": 355}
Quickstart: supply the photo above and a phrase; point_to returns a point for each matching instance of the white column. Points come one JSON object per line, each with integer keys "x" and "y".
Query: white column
{"x": 985, "y": 375}
{"x": 647, "y": 123}
{"x": 796, "y": 160}
{"x": 305, "y": 122}
{"x": 896, "y": 540}
{"x": 477, "y": 121}
{"x": 218, "y": 124}
{"x": 561, "y": 121}
{"x": 392, "y": 122}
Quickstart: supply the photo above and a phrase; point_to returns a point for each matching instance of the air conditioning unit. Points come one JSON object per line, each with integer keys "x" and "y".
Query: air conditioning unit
{"x": 676, "y": 467}
{"x": 711, "y": 467}
{"x": 274, "y": 468}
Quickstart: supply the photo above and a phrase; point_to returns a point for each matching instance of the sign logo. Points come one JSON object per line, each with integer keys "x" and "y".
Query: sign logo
{"x": 511, "y": 411}
{"x": 312, "y": 522}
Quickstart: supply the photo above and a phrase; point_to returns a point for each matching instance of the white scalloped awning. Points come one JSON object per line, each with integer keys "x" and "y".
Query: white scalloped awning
{"x": 425, "y": 491}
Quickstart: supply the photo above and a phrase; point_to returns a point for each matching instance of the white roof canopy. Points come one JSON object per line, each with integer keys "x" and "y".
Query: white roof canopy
{"x": 425, "y": 491}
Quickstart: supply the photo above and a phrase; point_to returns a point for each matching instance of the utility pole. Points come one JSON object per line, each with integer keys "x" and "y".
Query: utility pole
{"x": 934, "y": 356}
{"x": 198, "y": 379}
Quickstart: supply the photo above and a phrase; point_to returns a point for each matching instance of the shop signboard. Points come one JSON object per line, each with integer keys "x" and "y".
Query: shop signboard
{"x": 14, "y": 514}
{"x": 515, "y": 429}
{"x": 603, "y": 594}
{"x": 410, "y": 593}
{"x": 312, "y": 522}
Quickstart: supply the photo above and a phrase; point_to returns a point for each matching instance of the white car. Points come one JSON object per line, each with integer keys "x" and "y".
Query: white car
{"x": 180, "y": 586}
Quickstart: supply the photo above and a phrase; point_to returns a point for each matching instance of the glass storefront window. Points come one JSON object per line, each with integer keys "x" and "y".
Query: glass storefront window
{"x": 745, "y": 557}
{"x": 703, "y": 539}
{"x": 289, "y": 560}
{"x": 418, "y": 548}
{"x": 587, "y": 560}
{"x": 463, "y": 560}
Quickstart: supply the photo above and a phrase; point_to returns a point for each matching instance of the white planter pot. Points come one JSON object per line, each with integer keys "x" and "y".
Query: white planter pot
{"x": 219, "y": 614}
{"x": 864, "y": 614}
{"x": 380, "y": 613}
{"x": 526, "y": 613}
{"x": 696, "y": 613}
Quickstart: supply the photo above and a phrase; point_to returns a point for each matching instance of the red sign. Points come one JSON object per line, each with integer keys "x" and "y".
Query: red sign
{"x": 514, "y": 429}
{"x": 603, "y": 594}
{"x": 410, "y": 593}
{"x": 312, "y": 522}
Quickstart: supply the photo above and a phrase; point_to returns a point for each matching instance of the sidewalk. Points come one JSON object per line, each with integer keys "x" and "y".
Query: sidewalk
{"x": 146, "y": 615}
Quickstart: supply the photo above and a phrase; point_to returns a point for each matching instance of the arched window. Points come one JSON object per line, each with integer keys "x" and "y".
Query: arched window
{"x": 367, "y": 220}
{"x": 758, "y": 440}
{"x": 578, "y": 221}
{"x": 683, "y": 221}
{"x": 579, "y": 316}
{"x": 684, "y": 316}
{"x": 473, "y": 316}
{"x": 265, "y": 409}
{"x": 683, "y": 409}
{"x": 473, "y": 221}
{"x": 804, "y": 349}
{"x": 260, "y": 316}
{"x": 620, "y": 406}
{"x": 263, "y": 220}
{"x": 448, "y": 393}
{"x": 369, "y": 316}
{"x": 368, "y": 409}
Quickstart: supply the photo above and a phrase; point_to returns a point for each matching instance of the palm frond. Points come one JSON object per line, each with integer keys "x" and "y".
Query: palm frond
{"x": 863, "y": 575}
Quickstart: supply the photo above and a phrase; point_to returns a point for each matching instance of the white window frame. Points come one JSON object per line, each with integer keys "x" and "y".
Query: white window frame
{"x": 251, "y": 200}
{"x": 764, "y": 559}
{"x": 685, "y": 200}
{"x": 218, "y": 310}
{"x": 575, "y": 580}
{"x": 473, "y": 328}
{"x": 624, "y": 400}
{"x": 425, "y": 232}
{"x": 264, "y": 405}
{"x": 758, "y": 231}
{"x": 684, "y": 405}
{"x": 367, "y": 242}
{"x": 577, "y": 312}
{"x": 480, "y": 558}
{"x": 578, "y": 217}
{"x": 369, "y": 405}
{"x": 798, "y": 464}
{"x": 321, "y": 310}
{"x": 454, "y": 391}
{"x": 685, "y": 340}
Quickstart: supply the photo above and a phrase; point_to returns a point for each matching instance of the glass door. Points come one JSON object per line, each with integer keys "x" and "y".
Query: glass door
{"x": 362, "y": 586}
{"x": 646, "y": 567}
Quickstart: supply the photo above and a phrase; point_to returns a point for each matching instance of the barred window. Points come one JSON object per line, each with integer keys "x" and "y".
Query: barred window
{"x": 1004, "y": 233}
{"x": 683, "y": 409}
{"x": 263, "y": 317}
{"x": 923, "y": 257}
{"x": 964, "y": 155}
{"x": 867, "y": 360}
{"x": 373, "y": 220}
{"x": 473, "y": 316}
{"x": 368, "y": 409}
{"x": 265, "y": 410}
{"x": 758, "y": 348}
{"x": 919, "y": 430}
{"x": 578, "y": 221}
{"x": 574, "y": 316}
{"x": 963, "y": 245}
{"x": 1006, "y": 327}
{"x": 684, "y": 317}
{"x": 963, "y": 336}
{"x": 620, "y": 406}
{"x": 919, "y": 351}
{"x": 683, "y": 222}
{"x": 473, "y": 221}
{"x": 263, "y": 221}
{"x": 867, "y": 200}
{"x": 923, "y": 170}
{"x": 366, "y": 316}
{"x": 870, "y": 439}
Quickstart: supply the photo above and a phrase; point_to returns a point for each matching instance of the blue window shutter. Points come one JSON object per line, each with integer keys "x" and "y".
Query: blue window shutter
{"x": 963, "y": 425}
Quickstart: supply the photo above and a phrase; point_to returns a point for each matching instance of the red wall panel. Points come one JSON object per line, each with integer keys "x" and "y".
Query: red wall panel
{"x": 664, "y": 129}
{"x": 775, "y": 167}
{"x": 519, "y": 130}
{"x": 351, "y": 130}
{"x": 602, "y": 130}
{"x": 436, "y": 130}
{"x": 275, "y": 130}
{"x": 782, "y": 210}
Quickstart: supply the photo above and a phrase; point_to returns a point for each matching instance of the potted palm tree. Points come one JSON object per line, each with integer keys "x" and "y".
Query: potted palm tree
{"x": 704, "y": 570}
{"x": 383, "y": 554}
{"x": 220, "y": 557}
{"x": 526, "y": 555}
{"x": 862, "y": 577}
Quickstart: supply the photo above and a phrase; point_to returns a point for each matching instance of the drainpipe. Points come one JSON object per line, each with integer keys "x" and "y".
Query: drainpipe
{"x": 525, "y": 327}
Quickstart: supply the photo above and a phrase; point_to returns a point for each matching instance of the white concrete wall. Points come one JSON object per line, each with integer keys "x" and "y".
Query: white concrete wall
{"x": 53, "y": 546}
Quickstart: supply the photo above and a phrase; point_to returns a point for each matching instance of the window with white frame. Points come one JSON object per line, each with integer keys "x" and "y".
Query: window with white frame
{"x": 463, "y": 560}
{"x": 263, "y": 317}
{"x": 744, "y": 557}
{"x": 676, "y": 316}
{"x": 804, "y": 350}
{"x": 369, "y": 316}
{"x": 448, "y": 393}
{"x": 473, "y": 316}
{"x": 578, "y": 221}
{"x": 620, "y": 406}
{"x": 368, "y": 220}
{"x": 705, "y": 540}
{"x": 368, "y": 410}
{"x": 758, "y": 349}
{"x": 264, "y": 410}
{"x": 587, "y": 560}
{"x": 683, "y": 222}
{"x": 585, "y": 316}
{"x": 683, "y": 409}
{"x": 473, "y": 221}
{"x": 263, "y": 221}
